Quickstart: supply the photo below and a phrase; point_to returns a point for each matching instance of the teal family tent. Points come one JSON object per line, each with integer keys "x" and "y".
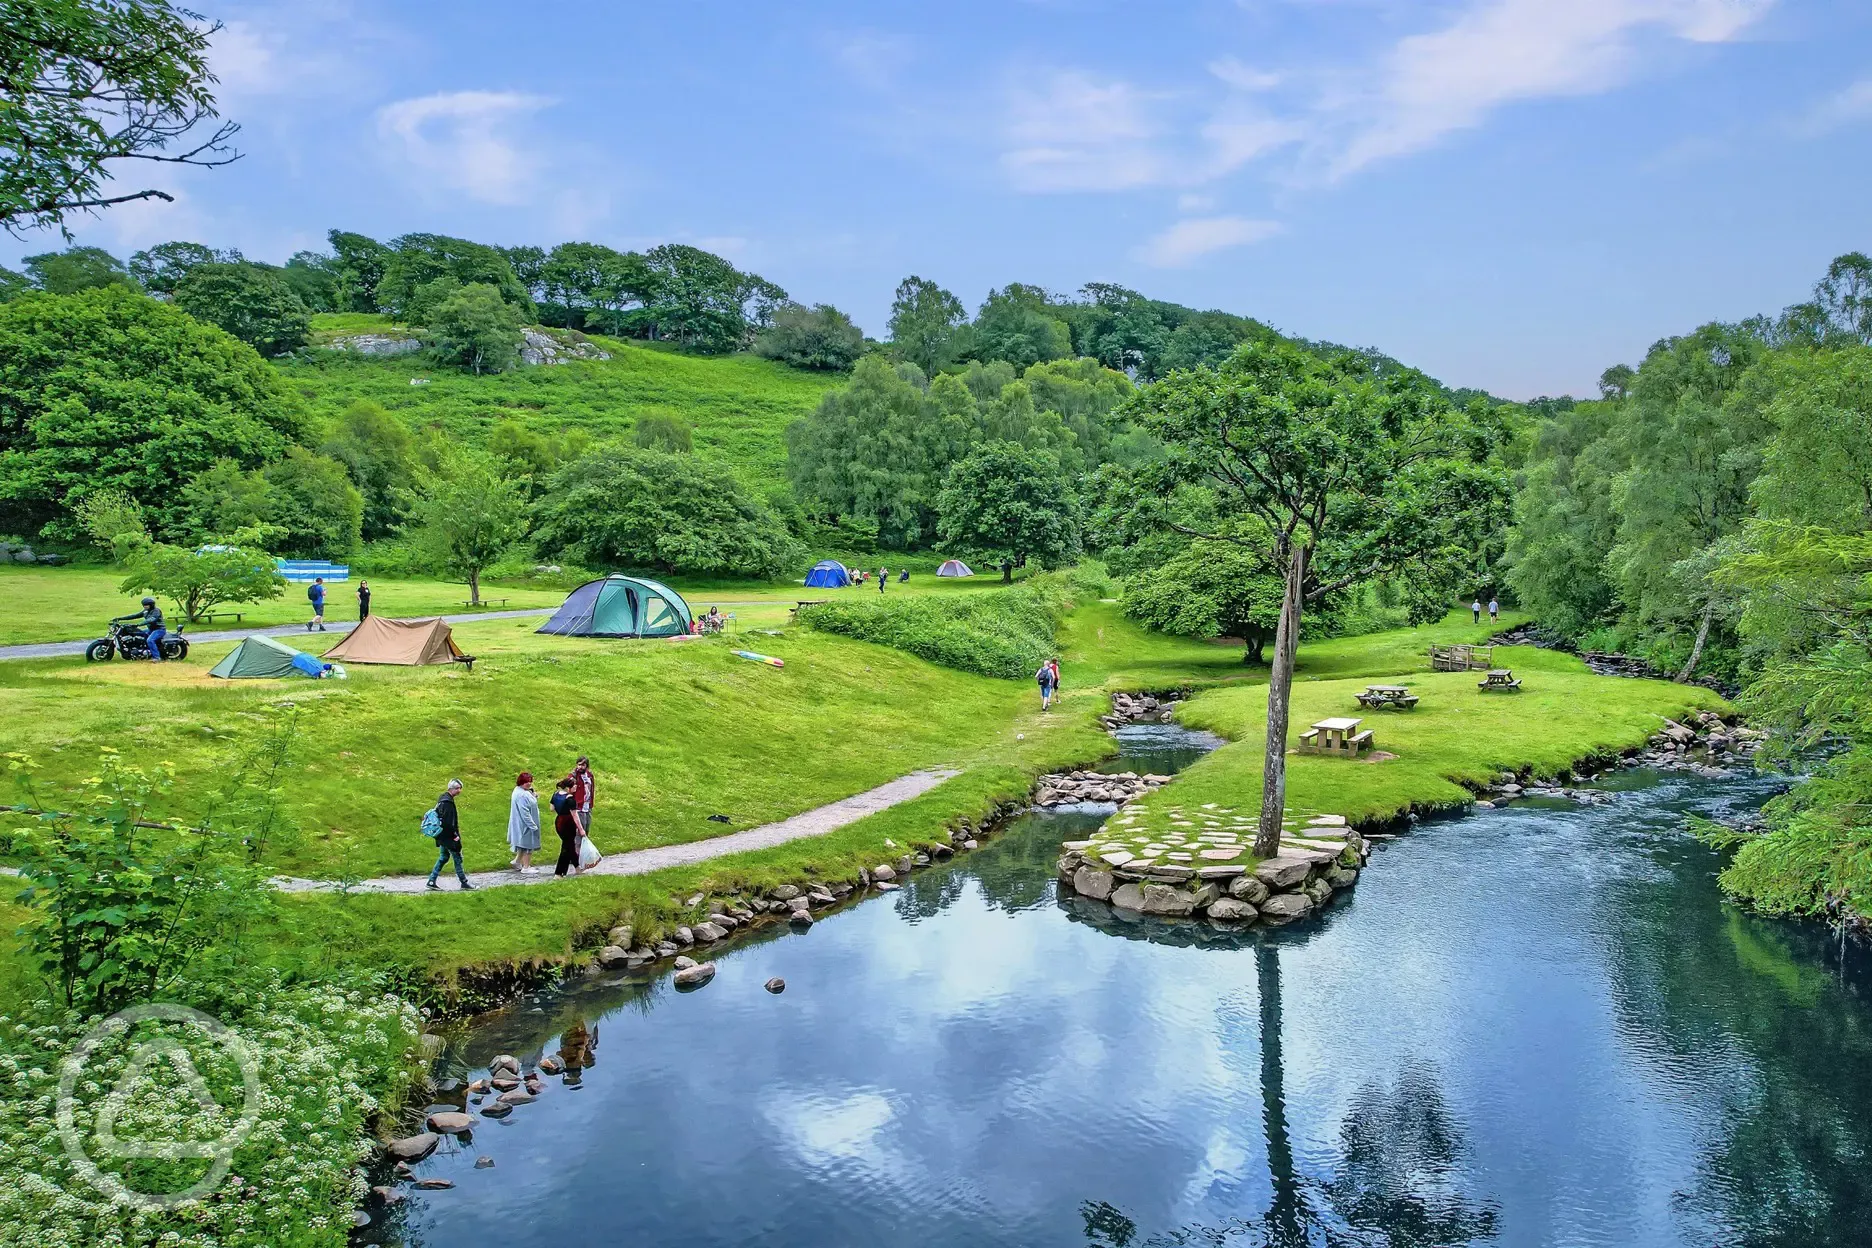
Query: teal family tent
{"x": 262, "y": 657}
{"x": 828, "y": 574}
{"x": 621, "y": 606}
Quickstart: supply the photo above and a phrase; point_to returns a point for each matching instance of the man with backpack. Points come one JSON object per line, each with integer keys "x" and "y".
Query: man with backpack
{"x": 443, "y": 825}
{"x": 1048, "y": 680}
{"x": 315, "y": 594}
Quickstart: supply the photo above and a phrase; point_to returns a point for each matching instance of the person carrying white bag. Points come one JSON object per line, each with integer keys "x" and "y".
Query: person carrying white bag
{"x": 576, "y": 852}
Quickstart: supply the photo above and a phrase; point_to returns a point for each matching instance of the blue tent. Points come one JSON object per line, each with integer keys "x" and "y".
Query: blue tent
{"x": 828, "y": 574}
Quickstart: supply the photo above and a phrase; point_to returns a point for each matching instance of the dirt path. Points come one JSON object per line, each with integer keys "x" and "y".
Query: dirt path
{"x": 827, "y": 818}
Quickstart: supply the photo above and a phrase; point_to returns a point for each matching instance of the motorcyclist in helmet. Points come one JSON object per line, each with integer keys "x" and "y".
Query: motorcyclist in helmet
{"x": 151, "y": 617}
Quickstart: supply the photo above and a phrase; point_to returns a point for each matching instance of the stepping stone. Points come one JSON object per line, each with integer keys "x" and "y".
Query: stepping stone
{"x": 1139, "y": 864}
{"x": 1220, "y": 873}
{"x": 1117, "y": 857}
{"x": 1331, "y": 847}
{"x": 1335, "y": 821}
{"x": 1220, "y": 855}
{"x": 1076, "y": 844}
{"x": 1178, "y": 857}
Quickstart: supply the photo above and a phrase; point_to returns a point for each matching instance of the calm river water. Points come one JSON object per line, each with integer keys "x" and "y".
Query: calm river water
{"x": 1536, "y": 1025}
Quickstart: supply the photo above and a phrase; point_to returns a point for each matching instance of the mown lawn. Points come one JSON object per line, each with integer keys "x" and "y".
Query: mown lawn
{"x": 676, "y": 731}
{"x": 738, "y": 406}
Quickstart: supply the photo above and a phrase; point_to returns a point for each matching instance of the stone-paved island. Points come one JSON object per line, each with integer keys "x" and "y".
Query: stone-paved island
{"x": 1204, "y": 865}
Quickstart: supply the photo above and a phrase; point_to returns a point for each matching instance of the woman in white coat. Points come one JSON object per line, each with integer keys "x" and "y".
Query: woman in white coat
{"x": 523, "y": 825}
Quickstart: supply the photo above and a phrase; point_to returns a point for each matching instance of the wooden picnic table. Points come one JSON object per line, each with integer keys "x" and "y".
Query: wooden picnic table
{"x": 1377, "y": 697}
{"x": 485, "y": 601}
{"x": 1498, "y": 678}
{"x": 1338, "y": 735}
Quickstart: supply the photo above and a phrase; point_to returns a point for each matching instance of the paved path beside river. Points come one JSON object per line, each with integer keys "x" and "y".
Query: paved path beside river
{"x": 817, "y": 822}
{"x": 66, "y": 649}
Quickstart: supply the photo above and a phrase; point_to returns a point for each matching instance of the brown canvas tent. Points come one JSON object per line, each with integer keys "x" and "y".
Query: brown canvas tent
{"x": 407, "y": 643}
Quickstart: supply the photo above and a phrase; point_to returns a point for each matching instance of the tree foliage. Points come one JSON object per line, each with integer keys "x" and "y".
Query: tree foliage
{"x": 253, "y": 302}
{"x": 110, "y": 388}
{"x": 468, "y": 515}
{"x": 474, "y": 327}
{"x": 927, "y": 324}
{"x": 160, "y": 269}
{"x": 91, "y": 85}
{"x": 230, "y": 569}
{"x": 817, "y": 337}
{"x": 378, "y": 452}
{"x": 1011, "y": 504}
{"x": 647, "y": 509}
{"x": 74, "y": 269}
{"x": 661, "y": 432}
{"x": 1210, "y": 589}
{"x": 417, "y": 260}
{"x": 359, "y": 263}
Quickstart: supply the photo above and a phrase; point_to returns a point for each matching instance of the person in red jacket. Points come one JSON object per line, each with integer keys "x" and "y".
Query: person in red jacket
{"x": 584, "y": 789}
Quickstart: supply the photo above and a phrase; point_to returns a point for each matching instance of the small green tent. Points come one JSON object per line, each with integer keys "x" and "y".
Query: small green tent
{"x": 620, "y": 606}
{"x": 262, "y": 657}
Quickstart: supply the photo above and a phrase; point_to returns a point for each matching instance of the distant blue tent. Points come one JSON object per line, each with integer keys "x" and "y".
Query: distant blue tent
{"x": 828, "y": 574}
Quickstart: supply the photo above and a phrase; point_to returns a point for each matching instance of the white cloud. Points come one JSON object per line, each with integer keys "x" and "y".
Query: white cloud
{"x": 1196, "y": 237}
{"x": 1842, "y": 108}
{"x": 1501, "y": 51}
{"x": 873, "y": 58}
{"x": 1077, "y": 133}
{"x": 474, "y": 142}
{"x": 1244, "y": 77}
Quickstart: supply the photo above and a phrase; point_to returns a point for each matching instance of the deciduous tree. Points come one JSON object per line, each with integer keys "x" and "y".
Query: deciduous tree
{"x": 1011, "y": 504}
{"x": 250, "y": 301}
{"x": 926, "y": 324}
{"x": 469, "y": 515}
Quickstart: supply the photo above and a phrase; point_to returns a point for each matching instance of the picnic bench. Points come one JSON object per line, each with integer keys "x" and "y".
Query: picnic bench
{"x": 1339, "y": 737}
{"x": 209, "y": 617}
{"x": 1498, "y": 679}
{"x": 1461, "y": 658}
{"x": 485, "y": 602}
{"x": 1378, "y": 697}
{"x": 807, "y": 602}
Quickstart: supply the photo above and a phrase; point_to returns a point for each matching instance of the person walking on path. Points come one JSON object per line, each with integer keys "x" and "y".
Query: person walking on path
{"x": 1494, "y": 611}
{"x": 1048, "y": 680}
{"x": 1475, "y": 611}
{"x": 363, "y": 601}
{"x": 448, "y": 840}
{"x": 584, "y": 789}
{"x": 883, "y": 579}
{"x": 566, "y": 822}
{"x": 523, "y": 824}
{"x": 315, "y": 594}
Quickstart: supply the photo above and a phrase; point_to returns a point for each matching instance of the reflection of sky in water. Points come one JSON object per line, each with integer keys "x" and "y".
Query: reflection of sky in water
{"x": 1501, "y": 1025}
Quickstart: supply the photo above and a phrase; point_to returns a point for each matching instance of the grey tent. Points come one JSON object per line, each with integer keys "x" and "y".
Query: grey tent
{"x": 261, "y": 657}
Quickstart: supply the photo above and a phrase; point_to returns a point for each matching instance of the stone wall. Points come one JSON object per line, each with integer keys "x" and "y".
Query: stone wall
{"x": 1315, "y": 861}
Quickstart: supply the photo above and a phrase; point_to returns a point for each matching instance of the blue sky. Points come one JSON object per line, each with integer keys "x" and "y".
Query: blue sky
{"x": 1510, "y": 194}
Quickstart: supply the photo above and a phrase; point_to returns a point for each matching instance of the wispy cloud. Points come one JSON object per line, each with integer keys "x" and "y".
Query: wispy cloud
{"x": 474, "y": 142}
{"x": 1190, "y": 240}
{"x": 873, "y": 58}
{"x": 1842, "y": 108}
{"x": 1080, "y": 133}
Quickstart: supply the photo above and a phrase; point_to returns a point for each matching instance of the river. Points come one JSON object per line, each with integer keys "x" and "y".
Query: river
{"x": 1536, "y": 1025}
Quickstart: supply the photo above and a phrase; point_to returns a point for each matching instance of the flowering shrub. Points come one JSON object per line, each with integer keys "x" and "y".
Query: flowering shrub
{"x": 327, "y": 1059}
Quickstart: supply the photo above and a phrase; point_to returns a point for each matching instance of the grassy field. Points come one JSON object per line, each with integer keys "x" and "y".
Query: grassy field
{"x": 681, "y": 731}
{"x": 70, "y": 604}
{"x": 738, "y": 405}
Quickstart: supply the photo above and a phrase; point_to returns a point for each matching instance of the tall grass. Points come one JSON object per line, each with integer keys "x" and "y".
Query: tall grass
{"x": 1008, "y": 633}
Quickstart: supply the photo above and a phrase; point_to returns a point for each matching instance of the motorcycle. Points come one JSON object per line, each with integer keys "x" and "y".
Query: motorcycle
{"x": 133, "y": 643}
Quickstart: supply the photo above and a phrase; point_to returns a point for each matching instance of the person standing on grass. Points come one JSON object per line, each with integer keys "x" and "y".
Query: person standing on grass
{"x": 363, "y": 601}
{"x": 883, "y": 579}
{"x": 315, "y": 594}
{"x": 566, "y": 824}
{"x": 448, "y": 840}
{"x": 523, "y": 824}
{"x": 584, "y": 789}
{"x": 1494, "y": 611}
{"x": 1048, "y": 680}
{"x": 1475, "y": 611}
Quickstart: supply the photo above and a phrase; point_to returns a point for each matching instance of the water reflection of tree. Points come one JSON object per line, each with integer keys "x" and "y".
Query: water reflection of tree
{"x": 1759, "y": 1015}
{"x": 1396, "y": 1184}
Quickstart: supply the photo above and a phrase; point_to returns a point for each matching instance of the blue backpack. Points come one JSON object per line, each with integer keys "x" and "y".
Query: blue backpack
{"x": 431, "y": 824}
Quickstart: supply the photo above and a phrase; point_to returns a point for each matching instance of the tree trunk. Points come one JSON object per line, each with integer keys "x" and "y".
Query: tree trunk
{"x": 1007, "y": 572}
{"x": 1696, "y": 650}
{"x": 1252, "y": 646}
{"x": 1280, "y": 691}
{"x": 474, "y": 587}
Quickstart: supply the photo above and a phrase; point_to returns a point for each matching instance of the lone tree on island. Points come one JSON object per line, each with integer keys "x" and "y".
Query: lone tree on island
{"x": 1335, "y": 474}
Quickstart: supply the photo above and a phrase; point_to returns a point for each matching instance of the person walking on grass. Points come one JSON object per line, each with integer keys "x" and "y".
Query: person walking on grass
{"x": 1048, "y": 680}
{"x": 566, "y": 822}
{"x": 315, "y": 594}
{"x": 523, "y": 824}
{"x": 883, "y": 579}
{"x": 1475, "y": 611}
{"x": 448, "y": 840}
{"x": 363, "y": 601}
{"x": 1494, "y": 611}
{"x": 585, "y": 790}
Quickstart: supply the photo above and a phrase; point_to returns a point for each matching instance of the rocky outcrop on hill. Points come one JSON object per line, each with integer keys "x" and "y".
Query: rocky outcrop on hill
{"x": 376, "y": 344}
{"x": 540, "y": 347}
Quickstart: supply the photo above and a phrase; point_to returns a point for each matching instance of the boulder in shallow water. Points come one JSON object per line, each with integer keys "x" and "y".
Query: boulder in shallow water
{"x": 413, "y": 1147}
{"x": 883, "y": 871}
{"x": 450, "y": 1122}
{"x": 1282, "y": 871}
{"x": 1286, "y": 907}
{"x": 695, "y": 976}
{"x": 1095, "y": 884}
{"x": 1128, "y": 897}
{"x": 776, "y": 985}
{"x": 613, "y": 956}
{"x": 1169, "y": 902}
{"x": 506, "y": 1066}
{"x": 1230, "y": 910}
{"x": 1248, "y": 888}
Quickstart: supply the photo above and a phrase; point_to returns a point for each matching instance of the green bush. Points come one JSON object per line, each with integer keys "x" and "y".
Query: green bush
{"x": 1006, "y": 633}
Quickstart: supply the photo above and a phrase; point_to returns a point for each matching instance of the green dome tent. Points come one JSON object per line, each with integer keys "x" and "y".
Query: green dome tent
{"x": 261, "y": 657}
{"x": 620, "y": 606}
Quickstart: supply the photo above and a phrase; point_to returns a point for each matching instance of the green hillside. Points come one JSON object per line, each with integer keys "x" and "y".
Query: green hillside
{"x": 737, "y": 405}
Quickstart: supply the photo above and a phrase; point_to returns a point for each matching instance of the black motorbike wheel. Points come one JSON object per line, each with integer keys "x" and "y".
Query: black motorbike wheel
{"x": 98, "y": 651}
{"x": 177, "y": 649}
